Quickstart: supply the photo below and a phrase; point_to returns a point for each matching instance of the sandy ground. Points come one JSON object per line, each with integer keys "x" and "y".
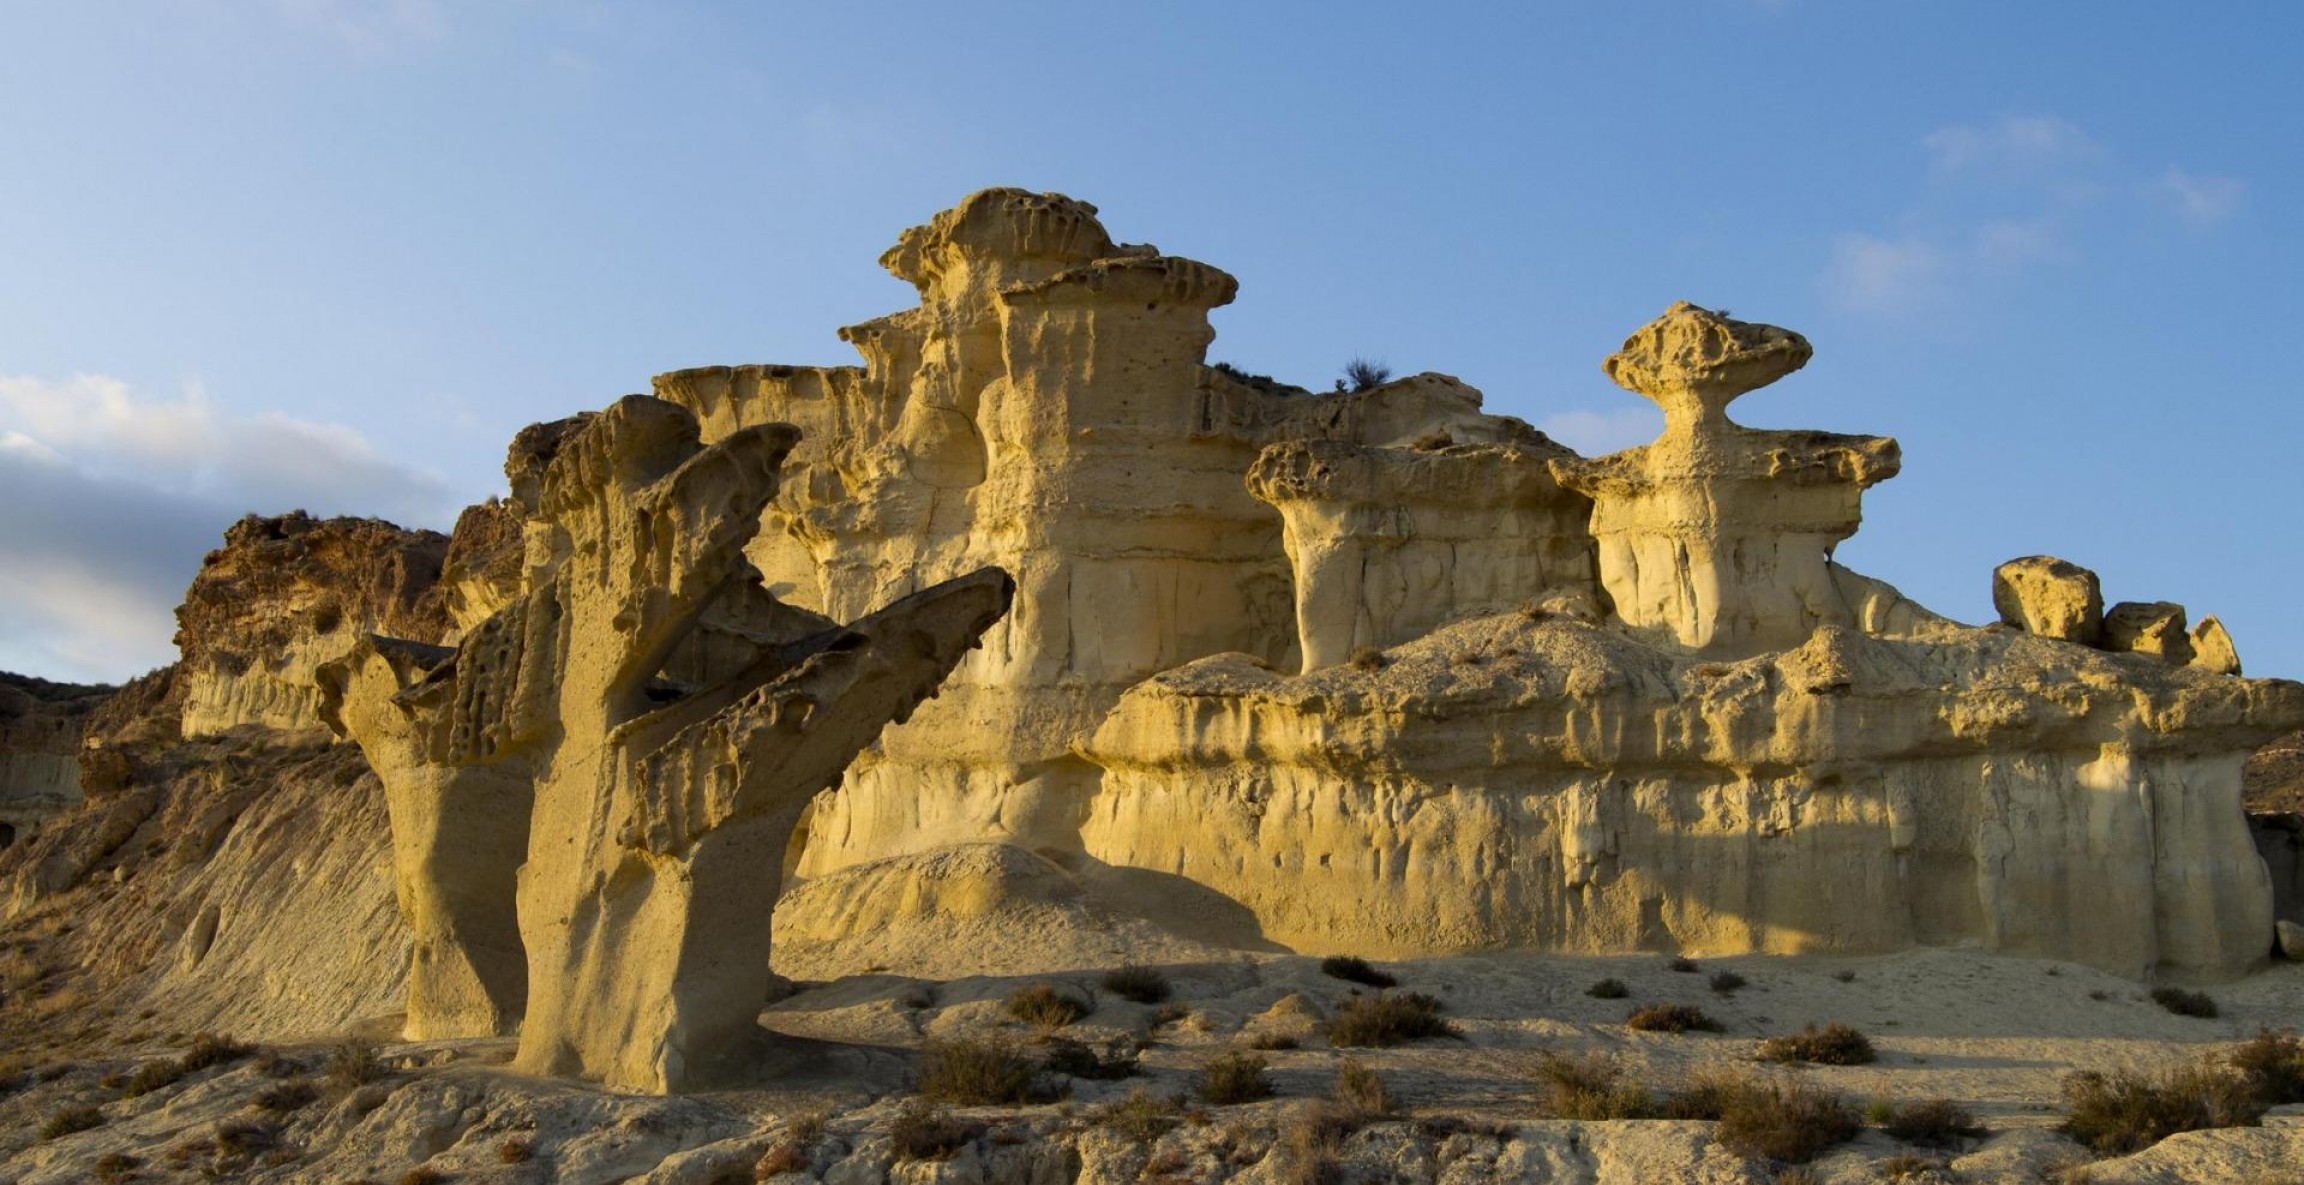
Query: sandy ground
{"x": 1996, "y": 1034}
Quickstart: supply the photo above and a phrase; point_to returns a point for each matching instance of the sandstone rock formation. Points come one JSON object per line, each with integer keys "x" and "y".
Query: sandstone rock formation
{"x": 285, "y": 596}
{"x": 1628, "y": 702}
{"x": 661, "y": 808}
{"x": 41, "y": 725}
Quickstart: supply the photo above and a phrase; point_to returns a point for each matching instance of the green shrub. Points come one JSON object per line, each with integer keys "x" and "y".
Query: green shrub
{"x": 1671, "y": 1018}
{"x": 1366, "y": 375}
{"x": 1138, "y": 983}
{"x": 1234, "y": 1078}
{"x": 1386, "y": 1019}
{"x": 2126, "y": 1111}
{"x": 1833, "y": 1045}
{"x": 1353, "y": 969}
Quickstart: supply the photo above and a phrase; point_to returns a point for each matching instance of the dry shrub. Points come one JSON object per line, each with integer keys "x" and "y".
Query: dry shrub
{"x": 1137, "y": 983}
{"x": 1440, "y": 1127}
{"x": 1386, "y": 1019}
{"x": 1062, "y": 1055}
{"x": 922, "y": 1130}
{"x": 1590, "y": 1087}
{"x": 2184, "y": 1003}
{"x": 353, "y": 1063}
{"x": 281, "y": 1098}
{"x": 1234, "y": 1078}
{"x": 1671, "y": 1018}
{"x": 1904, "y": 1166}
{"x": 1045, "y": 1005}
{"x": 1366, "y": 374}
{"x": 1790, "y": 1123}
{"x": 1682, "y": 964}
{"x": 1142, "y": 1116}
{"x": 2274, "y": 1063}
{"x": 1725, "y": 982}
{"x": 422, "y": 1175}
{"x": 152, "y": 1076}
{"x": 1932, "y": 1123}
{"x": 210, "y": 1049}
{"x": 2126, "y": 1111}
{"x": 1833, "y": 1045}
{"x": 1368, "y": 658}
{"x": 515, "y": 1150}
{"x": 116, "y": 1166}
{"x": 1608, "y": 989}
{"x": 1354, "y": 969}
{"x": 1360, "y": 1091}
{"x": 66, "y": 1120}
{"x": 1271, "y": 1042}
{"x": 1315, "y": 1145}
{"x": 243, "y": 1137}
{"x": 974, "y": 1073}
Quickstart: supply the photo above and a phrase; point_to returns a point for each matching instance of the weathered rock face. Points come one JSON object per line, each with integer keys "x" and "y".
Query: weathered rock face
{"x": 1046, "y": 409}
{"x": 41, "y": 727}
{"x": 661, "y": 809}
{"x": 286, "y": 595}
{"x": 1630, "y": 702}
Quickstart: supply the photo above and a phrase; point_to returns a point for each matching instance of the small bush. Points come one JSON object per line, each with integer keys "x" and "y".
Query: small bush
{"x": 421, "y": 1175}
{"x": 1353, "y": 969}
{"x": 1138, "y": 983}
{"x": 1142, "y": 1117}
{"x": 282, "y": 1098}
{"x": 243, "y": 1137}
{"x": 1386, "y": 1019}
{"x": 1725, "y": 982}
{"x": 1168, "y": 1014}
{"x": 209, "y": 1049}
{"x": 1682, "y": 964}
{"x": 1046, "y": 1005}
{"x": 2125, "y": 1111}
{"x": 1368, "y": 658}
{"x": 1844, "y": 976}
{"x": 1270, "y": 1042}
{"x": 353, "y": 1063}
{"x": 974, "y": 1073}
{"x": 2184, "y": 1003}
{"x": 1366, "y": 375}
{"x": 1234, "y": 1078}
{"x": 2274, "y": 1064}
{"x": 1590, "y": 1087}
{"x": 116, "y": 1166}
{"x": 1671, "y": 1018}
{"x": 1904, "y": 1166}
{"x": 1360, "y": 1091}
{"x": 66, "y": 1120}
{"x": 1708, "y": 1093}
{"x": 1788, "y": 1123}
{"x": 1933, "y": 1123}
{"x": 1315, "y": 1143}
{"x": 1833, "y": 1045}
{"x": 1062, "y": 1055}
{"x": 152, "y": 1076}
{"x": 921, "y": 1130}
{"x": 515, "y": 1150}
{"x": 1608, "y": 989}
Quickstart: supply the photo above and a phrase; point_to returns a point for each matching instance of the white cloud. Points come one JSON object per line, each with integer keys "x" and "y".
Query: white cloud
{"x": 108, "y": 499}
{"x": 1595, "y": 432}
{"x": 2201, "y": 201}
{"x": 1884, "y": 275}
{"x": 2016, "y": 147}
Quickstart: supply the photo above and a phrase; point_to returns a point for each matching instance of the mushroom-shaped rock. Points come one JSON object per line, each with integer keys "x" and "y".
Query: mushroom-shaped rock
{"x": 2149, "y": 627}
{"x": 2049, "y": 597}
{"x": 2212, "y": 648}
{"x": 1717, "y": 536}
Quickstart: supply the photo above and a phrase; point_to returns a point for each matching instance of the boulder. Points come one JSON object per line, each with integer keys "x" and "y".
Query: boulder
{"x": 2050, "y": 597}
{"x": 2291, "y": 935}
{"x": 2149, "y": 627}
{"x": 2212, "y": 648}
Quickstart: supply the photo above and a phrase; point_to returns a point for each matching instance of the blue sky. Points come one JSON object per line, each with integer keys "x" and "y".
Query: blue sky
{"x": 258, "y": 254}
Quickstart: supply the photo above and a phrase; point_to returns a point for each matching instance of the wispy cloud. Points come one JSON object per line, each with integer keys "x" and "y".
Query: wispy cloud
{"x": 109, "y": 497}
{"x": 2004, "y": 200}
{"x": 369, "y": 25}
{"x": 2200, "y": 201}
